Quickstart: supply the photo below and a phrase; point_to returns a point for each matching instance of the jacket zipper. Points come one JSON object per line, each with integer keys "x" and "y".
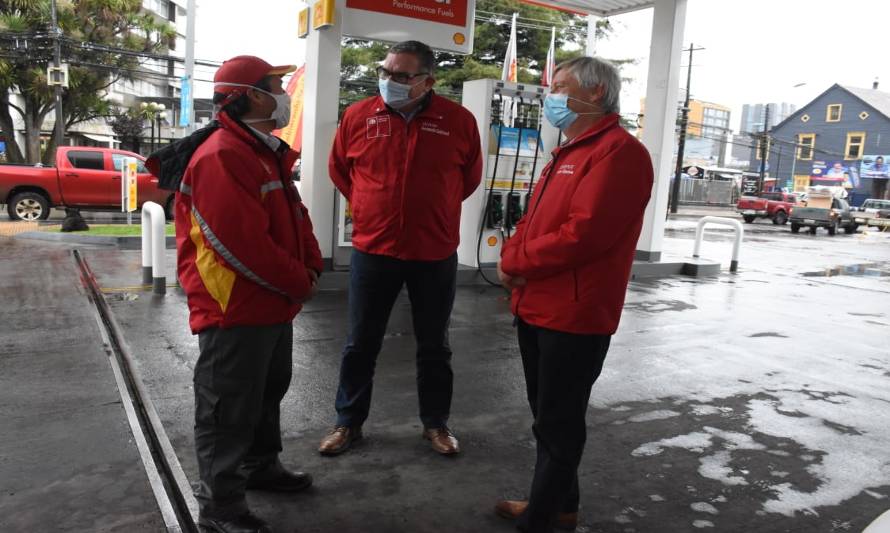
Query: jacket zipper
{"x": 546, "y": 182}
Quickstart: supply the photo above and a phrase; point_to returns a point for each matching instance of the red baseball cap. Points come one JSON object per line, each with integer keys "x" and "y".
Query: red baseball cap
{"x": 245, "y": 70}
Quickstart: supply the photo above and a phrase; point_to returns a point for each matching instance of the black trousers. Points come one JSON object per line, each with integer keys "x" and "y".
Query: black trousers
{"x": 560, "y": 369}
{"x": 374, "y": 284}
{"x": 240, "y": 378}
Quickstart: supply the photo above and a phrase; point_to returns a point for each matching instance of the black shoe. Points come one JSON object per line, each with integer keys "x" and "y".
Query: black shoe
{"x": 276, "y": 478}
{"x": 246, "y": 523}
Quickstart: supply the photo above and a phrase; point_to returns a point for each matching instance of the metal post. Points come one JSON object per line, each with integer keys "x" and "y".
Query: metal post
{"x": 764, "y": 153}
{"x": 684, "y": 122}
{"x": 57, "y": 63}
{"x": 723, "y": 221}
{"x": 154, "y": 242}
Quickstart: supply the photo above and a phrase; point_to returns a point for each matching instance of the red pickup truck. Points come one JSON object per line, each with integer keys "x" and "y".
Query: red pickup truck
{"x": 774, "y": 205}
{"x": 83, "y": 178}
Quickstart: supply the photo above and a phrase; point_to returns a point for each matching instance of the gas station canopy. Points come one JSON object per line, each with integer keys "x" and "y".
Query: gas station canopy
{"x": 602, "y": 8}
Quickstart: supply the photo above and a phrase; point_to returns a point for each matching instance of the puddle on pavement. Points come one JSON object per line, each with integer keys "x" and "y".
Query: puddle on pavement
{"x": 876, "y": 270}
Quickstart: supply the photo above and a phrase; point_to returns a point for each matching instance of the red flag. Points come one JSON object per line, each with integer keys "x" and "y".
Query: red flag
{"x": 550, "y": 64}
{"x": 511, "y": 66}
{"x": 292, "y": 134}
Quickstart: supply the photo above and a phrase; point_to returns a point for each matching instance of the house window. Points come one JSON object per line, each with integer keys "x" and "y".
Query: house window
{"x": 805, "y": 144}
{"x": 833, "y": 113}
{"x": 855, "y": 143}
{"x": 805, "y": 118}
{"x": 863, "y": 115}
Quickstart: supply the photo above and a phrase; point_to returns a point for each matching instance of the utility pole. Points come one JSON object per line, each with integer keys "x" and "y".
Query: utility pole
{"x": 684, "y": 122}
{"x": 764, "y": 151}
{"x": 57, "y": 83}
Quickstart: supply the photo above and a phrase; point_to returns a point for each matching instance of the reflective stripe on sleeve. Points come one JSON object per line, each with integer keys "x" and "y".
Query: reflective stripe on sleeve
{"x": 229, "y": 257}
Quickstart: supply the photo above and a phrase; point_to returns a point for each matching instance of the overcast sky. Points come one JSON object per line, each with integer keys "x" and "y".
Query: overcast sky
{"x": 756, "y": 50}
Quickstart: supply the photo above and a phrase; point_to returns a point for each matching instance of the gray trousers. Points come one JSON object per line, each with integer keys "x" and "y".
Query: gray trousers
{"x": 240, "y": 378}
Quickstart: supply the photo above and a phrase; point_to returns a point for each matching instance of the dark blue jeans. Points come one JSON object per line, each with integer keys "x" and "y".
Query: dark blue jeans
{"x": 560, "y": 370}
{"x": 374, "y": 284}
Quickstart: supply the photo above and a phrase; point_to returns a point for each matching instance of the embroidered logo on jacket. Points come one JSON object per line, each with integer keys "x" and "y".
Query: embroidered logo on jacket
{"x": 432, "y": 127}
{"x": 378, "y": 127}
{"x": 566, "y": 169}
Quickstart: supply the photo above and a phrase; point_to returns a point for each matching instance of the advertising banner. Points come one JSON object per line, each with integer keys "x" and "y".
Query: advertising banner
{"x": 875, "y": 166}
{"x": 185, "y": 102}
{"x": 129, "y": 189}
{"x": 292, "y": 134}
{"x": 834, "y": 174}
{"x": 444, "y": 24}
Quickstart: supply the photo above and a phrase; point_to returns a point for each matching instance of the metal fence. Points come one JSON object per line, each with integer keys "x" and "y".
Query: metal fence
{"x": 708, "y": 192}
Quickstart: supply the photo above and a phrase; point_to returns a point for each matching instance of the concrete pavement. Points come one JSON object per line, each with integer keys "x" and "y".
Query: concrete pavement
{"x": 748, "y": 402}
{"x": 67, "y": 459}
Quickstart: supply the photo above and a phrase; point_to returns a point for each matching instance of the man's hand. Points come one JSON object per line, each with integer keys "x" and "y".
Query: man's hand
{"x": 313, "y": 291}
{"x": 509, "y": 282}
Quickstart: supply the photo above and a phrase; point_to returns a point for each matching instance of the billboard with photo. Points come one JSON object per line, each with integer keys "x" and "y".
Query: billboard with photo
{"x": 834, "y": 174}
{"x": 875, "y": 166}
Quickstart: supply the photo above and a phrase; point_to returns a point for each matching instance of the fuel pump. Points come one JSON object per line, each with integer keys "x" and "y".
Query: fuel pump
{"x": 515, "y": 144}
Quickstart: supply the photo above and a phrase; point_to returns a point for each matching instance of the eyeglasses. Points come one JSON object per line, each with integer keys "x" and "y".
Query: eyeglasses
{"x": 398, "y": 77}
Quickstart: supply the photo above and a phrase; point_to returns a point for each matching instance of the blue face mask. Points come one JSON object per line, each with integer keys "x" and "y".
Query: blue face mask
{"x": 396, "y": 94}
{"x": 557, "y": 112}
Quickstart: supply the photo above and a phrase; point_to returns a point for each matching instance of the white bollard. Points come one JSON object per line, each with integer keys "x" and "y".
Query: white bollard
{"x": 723, "y": 221}
{"x": 154, "y": 247}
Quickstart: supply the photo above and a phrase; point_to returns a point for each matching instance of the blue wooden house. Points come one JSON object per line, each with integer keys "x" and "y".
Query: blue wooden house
{"x": 843, "y": 135}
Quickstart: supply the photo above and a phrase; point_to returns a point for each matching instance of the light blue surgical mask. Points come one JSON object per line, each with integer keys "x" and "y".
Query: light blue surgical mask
{"x": 557, "y": 112}
{"x": 396, "y": 94}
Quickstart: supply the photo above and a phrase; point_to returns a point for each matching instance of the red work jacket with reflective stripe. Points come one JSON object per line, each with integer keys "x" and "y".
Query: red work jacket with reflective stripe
{"x": 244, "y": 238}
{"x": 577, "y": 243}
{"x": 405, "y": 180}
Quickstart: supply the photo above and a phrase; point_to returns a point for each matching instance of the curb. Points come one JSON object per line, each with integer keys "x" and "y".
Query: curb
{"x": 123, "y": 243}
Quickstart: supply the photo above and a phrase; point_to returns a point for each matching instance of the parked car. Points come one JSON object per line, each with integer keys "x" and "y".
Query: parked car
{"x": 772, "y": 205}
{"x": 831, "y": 213}
{"x": 874, "y": 212}
{"x": 83, "y": 178}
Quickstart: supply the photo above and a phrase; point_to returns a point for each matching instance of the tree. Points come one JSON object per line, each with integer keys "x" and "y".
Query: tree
{"x": 102, "y": 41}
{"x": 492, "y": 33}
{"x": 128, "y": 126}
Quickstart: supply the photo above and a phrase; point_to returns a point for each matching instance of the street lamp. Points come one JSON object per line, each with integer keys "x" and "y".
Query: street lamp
{"x": 153, "y": 111}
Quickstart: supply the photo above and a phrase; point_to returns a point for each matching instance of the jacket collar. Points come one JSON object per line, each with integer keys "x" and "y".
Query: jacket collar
{"x": 285, "y": 154}
{"x": 607, "y": 122}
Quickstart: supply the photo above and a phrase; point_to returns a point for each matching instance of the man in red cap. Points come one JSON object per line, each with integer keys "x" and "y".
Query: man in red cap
{"x": 247, "y": 260}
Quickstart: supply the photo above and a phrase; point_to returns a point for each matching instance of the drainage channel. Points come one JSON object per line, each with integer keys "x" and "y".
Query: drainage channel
{"x": 165, "y": 475}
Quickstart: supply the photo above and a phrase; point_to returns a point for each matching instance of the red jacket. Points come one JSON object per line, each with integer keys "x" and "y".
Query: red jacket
{"x": 576, "y": 245}
{"x": 243, "y": 236}
{"x": 405, "y": 181}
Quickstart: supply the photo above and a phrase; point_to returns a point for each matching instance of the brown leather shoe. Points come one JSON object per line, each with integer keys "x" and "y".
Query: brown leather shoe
{"x": 511, "y": 509}
{"x": 339, "y": 440}
{"x": 442, "y": 440}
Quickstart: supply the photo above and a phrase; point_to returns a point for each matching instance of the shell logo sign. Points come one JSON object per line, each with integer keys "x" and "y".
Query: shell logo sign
{"x": 444, "y": 24}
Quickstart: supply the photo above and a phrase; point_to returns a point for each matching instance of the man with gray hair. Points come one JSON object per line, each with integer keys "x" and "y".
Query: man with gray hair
{"x": 568, "y": 265}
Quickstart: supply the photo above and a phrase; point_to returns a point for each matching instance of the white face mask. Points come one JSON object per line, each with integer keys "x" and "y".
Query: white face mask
{"x": 281, "y": 114}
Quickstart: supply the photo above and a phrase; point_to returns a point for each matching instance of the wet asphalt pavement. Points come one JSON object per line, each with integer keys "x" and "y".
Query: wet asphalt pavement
{"x": 750, "y": 402}
{"x": 67, "y": 459}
